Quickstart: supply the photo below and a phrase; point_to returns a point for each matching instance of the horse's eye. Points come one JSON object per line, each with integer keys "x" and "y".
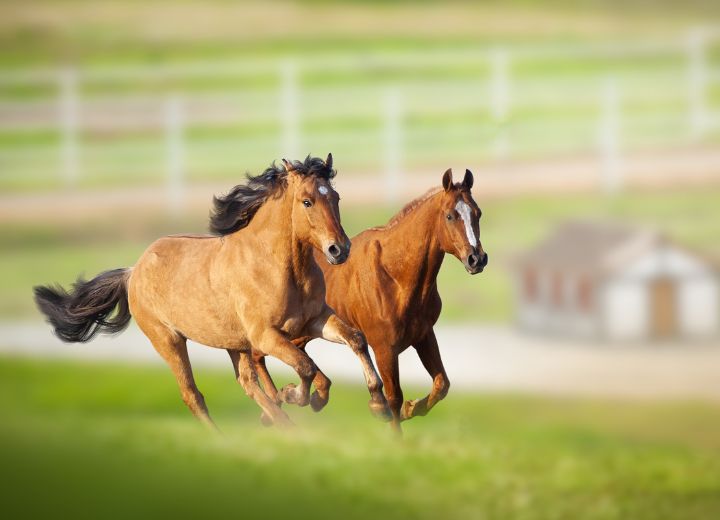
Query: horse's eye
{"x": 307, "y": 203}
{"x": 449, "y": 216}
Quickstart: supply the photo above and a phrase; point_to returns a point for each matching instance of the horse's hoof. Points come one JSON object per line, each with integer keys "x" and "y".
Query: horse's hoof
{"x": 291, "y": 395}
{"x": 287, "y": 394}
{"x": 266, "y": 420}
{"x": 317, "y": 403}
{"x": 282, "y": 421}
{"x": 408, "y": 410}
{"x": 380, "y": 410}
{"x": 411, "y": 409}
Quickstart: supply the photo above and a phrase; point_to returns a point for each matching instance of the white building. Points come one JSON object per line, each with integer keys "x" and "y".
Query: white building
{"x": 597, "y": 280}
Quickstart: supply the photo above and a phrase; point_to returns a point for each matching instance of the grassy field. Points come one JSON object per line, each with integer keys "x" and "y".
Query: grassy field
{"x": 88, "y": 441}
{"x": 58, "y": 251}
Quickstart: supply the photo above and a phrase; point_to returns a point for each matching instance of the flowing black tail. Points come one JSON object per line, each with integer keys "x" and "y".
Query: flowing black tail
{"x": 78, "y": 315}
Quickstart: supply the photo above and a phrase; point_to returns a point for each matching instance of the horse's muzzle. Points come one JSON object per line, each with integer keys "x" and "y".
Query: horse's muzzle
{"x": 337, "y": 254}
{"x": 475, "y": 262}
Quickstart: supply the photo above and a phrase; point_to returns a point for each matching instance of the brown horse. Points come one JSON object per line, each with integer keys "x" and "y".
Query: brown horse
{"x": 256, "y": 286}
{"x": 388, "y": 286}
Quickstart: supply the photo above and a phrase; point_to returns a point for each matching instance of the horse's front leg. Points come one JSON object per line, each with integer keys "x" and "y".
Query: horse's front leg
{"x": 273, "y": 343}
{"x": 330, "y": 327}
{"x": 321, "y": 382}
{"x": 429, "y": 354}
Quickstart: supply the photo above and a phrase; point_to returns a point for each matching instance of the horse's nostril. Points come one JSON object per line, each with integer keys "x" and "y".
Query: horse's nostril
{"x": 473, "y": 260}
{"x": 334, "y": 251}
{"x": 484, "y": 260}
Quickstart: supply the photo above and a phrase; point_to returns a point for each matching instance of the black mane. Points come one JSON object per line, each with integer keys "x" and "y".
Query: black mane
{"x": 235, "y": 210}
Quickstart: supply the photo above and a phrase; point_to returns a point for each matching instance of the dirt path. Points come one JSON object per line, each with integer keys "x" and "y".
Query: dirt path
{"x": 476, "y": 358}
{"x": 657, "y": 169}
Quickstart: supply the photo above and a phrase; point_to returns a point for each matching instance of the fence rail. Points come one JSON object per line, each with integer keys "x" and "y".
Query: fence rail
{"x": 401, "y": 105}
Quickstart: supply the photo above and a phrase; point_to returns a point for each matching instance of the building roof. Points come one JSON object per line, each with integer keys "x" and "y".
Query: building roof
{"x": 590, "y": 247}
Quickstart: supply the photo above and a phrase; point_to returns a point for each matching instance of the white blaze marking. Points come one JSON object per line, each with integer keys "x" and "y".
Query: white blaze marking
{"x": 464, "y": 210}
{"x": 323, "y": 190}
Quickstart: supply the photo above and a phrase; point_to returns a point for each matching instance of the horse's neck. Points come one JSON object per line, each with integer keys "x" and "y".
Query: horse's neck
{"x": 271, "y": 227}
{"x": 411, "y": 249}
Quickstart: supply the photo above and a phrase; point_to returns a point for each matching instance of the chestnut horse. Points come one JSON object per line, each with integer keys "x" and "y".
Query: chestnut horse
{"x": 388, "y": 286}
{"x": 256, "y": 286}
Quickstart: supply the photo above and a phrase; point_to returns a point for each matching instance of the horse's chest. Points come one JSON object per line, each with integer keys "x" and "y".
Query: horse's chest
{"x": 304, "y": 305}
{"x": 418, "y": 314}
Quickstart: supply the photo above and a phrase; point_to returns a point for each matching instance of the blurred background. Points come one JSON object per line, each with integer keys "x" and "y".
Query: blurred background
{"x": 588, "y": 352}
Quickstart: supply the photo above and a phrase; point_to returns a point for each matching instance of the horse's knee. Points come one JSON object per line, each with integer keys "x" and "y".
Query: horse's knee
{"x": 357, "y": 342}
{"x": 306, "y": 369}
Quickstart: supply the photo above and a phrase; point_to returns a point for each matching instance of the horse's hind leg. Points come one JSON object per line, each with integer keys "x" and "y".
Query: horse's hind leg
{"x": 173, "y": 349}
{"x": 247, "y": 377}
{"x": 262, "y": 372}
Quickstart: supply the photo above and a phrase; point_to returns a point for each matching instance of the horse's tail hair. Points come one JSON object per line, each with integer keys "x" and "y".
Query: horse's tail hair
{"x": 78, "y": 315}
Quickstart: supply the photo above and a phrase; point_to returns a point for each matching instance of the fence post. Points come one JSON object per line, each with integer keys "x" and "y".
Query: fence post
{"x": 500, "y": 100}
{"x": 609, "y": 138}
{"x": 697, "y": 82}
{"x": 175, "y": 150}
{"x": 289, "y": 111}
{"x": 393, "y": 112}
{"x": 69, "y": 126}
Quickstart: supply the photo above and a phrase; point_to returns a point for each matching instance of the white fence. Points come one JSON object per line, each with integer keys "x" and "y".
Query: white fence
{"x": 498, "y": 91}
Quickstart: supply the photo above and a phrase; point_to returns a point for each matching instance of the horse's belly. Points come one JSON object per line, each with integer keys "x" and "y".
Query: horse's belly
{"x": 215, "y": 333}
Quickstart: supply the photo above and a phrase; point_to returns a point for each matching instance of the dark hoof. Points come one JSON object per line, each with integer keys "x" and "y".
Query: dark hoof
{"x": 316, "y": 402}
{"x": 380, "y": 410}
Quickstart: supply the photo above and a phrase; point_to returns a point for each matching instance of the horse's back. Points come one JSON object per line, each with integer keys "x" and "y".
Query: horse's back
{"x": 174, "y": 250}
{"x": 173, "y": 283}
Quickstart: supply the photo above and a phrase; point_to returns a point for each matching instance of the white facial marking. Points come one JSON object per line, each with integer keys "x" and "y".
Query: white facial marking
{"x": 323, "y": 190}
{"x": 464, "y": 210}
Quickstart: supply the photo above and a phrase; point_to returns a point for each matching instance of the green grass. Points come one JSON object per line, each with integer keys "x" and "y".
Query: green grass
{"x": 87, "y": 441}
{"x": 34, "y": 254}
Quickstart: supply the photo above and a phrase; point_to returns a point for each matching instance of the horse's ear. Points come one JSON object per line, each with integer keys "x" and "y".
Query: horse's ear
{"x": 467, "y": 180}
{"x": 329, "y": 161}
{"x": 447, "y": 181}
{"x": 288, "y": 165}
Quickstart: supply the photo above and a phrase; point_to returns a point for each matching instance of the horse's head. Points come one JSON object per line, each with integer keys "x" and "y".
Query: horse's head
{"x": 460, "y": 226}
{"x": 315, "y": 214}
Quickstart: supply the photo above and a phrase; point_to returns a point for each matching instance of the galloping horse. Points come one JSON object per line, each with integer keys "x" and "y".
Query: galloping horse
{"x": 256, "y": 286}
{"x": 388, "y": 286}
